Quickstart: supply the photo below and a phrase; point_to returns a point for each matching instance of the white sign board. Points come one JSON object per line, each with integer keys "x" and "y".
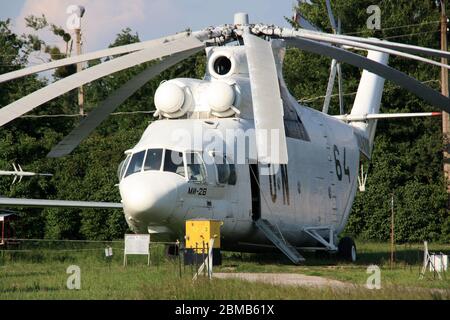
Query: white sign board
{"x": 137, "y": 244}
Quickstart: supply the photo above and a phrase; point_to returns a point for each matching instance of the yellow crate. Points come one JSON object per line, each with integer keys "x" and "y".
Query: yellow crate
{"x": 202, "y": 231}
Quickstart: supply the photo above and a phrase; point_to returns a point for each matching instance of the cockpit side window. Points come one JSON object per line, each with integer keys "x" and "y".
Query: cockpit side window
{"x": 153, "y": 160}
{"x": 122, "y": 167}
{"x": 173, "y": 162}
{"x": 195, "y": 168}
{"x": 136, "y": 163}
{"x": 226, "y": 174}
{"x": 233, "y": 175}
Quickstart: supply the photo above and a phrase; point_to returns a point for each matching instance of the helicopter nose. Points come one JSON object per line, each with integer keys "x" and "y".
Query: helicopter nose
{"x": 149, "y": 196}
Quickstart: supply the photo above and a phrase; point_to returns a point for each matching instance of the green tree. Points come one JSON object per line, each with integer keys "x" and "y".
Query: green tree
{"x": 407, "y": 159}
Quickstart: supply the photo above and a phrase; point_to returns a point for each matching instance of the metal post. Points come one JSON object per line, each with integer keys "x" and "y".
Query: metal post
{"x": 207, "y": 259}
{"x": 203, "y": 257}
{"x": 195, "y": 258}
{"x": 3, "y": 232}
{"x": 445, "y": 92}
{"x": 392, "y": 232}
{"x": 179, "y": 255}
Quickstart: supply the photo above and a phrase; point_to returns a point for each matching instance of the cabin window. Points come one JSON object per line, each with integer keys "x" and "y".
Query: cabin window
{"x": 195, "y": 168}
{"x": 153, "y": 160}
{"x": 173, "y": 162}
{"x": 122, "y": 167}
{"x": 136, "y": 163}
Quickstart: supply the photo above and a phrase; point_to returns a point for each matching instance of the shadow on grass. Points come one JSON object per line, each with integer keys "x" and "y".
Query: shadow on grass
{"x": 29, "y": 289}
{"x": 23, "y": 274}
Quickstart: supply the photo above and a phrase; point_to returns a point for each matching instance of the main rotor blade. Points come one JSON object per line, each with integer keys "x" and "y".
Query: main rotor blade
{"x": 39, "y": 203}
{"x": 105, "y": 108}
{"x": 87, "y": 57}
{"x": 267, "y": 103}
{"x": 37, "y": 98}
{"x": 334, "y": 39}
{"x": 398, "y": 46}
{"x": 431, "y": 96}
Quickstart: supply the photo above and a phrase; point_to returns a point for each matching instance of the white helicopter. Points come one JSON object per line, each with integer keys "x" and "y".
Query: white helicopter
{"x": 236, "y": 146}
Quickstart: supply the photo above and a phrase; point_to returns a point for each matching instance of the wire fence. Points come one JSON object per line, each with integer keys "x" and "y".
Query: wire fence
{"x": 93, "y": 255}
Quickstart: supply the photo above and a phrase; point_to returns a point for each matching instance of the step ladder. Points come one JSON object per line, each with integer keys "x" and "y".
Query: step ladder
{"x": 274, "y": 235}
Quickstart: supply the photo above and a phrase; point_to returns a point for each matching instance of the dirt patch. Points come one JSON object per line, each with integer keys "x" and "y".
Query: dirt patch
{"x": 285, "y": 279}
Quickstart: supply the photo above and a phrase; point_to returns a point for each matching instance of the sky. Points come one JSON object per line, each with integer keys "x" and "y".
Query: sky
{"x": 150, "y": 18}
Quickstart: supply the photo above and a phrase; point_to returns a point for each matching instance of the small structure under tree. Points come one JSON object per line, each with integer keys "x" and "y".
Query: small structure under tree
{"x": 6, "y": 229}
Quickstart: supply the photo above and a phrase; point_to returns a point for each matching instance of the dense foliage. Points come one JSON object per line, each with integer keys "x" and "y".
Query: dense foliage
{"x": 407, "y": 160}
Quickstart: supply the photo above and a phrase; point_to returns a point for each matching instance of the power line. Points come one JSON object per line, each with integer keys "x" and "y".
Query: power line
{"x": 410, "y": 34}
{"x": 398, "y": 27}
{"x": 80, "y": 116}
{"x": 311, "y": 99}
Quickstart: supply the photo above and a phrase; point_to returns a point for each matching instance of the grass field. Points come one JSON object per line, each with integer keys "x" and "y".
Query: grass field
{"x": 39, "y": 272}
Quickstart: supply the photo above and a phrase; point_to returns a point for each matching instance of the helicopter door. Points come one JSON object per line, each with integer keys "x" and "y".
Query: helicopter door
{"x": 255, "y": 192}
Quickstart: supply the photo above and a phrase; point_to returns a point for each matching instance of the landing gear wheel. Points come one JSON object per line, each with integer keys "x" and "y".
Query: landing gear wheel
{"x": 347, "y": 249}
{"x": 172, "y": 251}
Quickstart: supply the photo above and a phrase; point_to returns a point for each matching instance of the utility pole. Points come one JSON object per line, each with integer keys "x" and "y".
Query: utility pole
{"x": 78, "y": 40}
{"x": 444, "y": 89}
{"x": 392, "y": 233}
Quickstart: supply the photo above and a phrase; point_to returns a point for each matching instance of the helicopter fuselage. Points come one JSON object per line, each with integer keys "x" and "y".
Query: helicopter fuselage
{"x": 315, "y": 190}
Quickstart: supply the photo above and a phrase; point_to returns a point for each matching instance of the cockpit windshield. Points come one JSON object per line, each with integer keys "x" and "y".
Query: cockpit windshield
{"x": 153, "y": 160}
{"x": 165, "y": 160}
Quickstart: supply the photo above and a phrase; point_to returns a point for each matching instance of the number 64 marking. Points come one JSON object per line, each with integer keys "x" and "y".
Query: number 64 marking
{"x": 338, "y": 164}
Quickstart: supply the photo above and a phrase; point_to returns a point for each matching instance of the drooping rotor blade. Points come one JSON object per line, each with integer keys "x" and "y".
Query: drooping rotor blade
{"x": 105, "y": 108}
{"x": 331, "y": 80}
{"x": 39, "y": 97}
{"x": 86, "y": 57}
{"x": 334, "y": 64}
{"x": 335, "y": 39}
{"x": 340, "y": 76}
{"x": 267, "y": 103}
{"x": 341, "y": 89}
{"x": 306, "y": 24}
{"x": 431, "y": 96}
{"x": 331, "y": 16}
